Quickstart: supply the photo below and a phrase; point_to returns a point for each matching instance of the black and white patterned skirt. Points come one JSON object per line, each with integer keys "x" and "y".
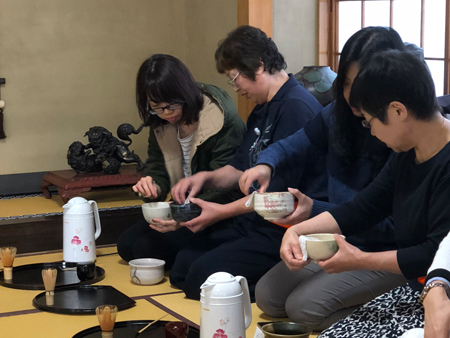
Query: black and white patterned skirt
{"x": 389, "y": 315}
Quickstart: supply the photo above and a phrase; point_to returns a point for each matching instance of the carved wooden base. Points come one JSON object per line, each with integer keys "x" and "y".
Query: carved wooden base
{"x": 71, "y": 184}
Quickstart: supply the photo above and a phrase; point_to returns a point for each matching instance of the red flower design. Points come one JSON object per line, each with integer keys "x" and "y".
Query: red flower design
{"x": 76, "y": 240}
{"x": 220, "y": 334}
{"x": 86, "y": 249}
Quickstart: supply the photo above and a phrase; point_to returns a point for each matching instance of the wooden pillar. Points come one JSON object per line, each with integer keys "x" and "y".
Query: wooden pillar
{"x": 256, "y": 13}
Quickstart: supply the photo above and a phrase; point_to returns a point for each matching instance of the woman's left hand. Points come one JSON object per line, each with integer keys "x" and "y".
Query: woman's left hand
{"x": 163, "y": 226}
{"x": 210, "y": 215}
{"x": 437, "y": 314}
{"x": 346, "y": 259}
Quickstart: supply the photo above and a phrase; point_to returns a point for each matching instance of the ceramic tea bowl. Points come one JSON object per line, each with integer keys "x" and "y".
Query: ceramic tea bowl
{"x": 185, "y": 212}
{"x": 284, "y": 330}
{"x": 273, "y": 205}
{"x": 159, "y": 210}
{"x": 146, "y": 271}
{"x": 324, "y": 247}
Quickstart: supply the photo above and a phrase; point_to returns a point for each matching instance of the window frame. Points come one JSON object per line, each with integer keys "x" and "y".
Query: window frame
{"x": 328, "y": 30}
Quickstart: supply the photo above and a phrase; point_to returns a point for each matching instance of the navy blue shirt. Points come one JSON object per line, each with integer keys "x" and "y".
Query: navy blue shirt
{"x": 304, "y": 149}
{"x": 287, "y": 112}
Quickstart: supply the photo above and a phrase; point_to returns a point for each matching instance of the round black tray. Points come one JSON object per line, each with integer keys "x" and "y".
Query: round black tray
{"x": 83, "y": 299}
{"x": 29, "y": 277}
{"x": 129, "y": 329}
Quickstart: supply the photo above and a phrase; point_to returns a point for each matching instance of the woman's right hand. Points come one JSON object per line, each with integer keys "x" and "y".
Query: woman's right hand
{"x": 261, "y": 173}
{"x": 290, "y": 251}
{"x": 147, "y": 188}
{"x": 188, "y": 187}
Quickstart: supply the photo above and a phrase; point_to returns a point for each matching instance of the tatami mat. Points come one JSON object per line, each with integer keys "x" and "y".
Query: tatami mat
{"x": 38, "y": 205}
{"x": 20, "y": 319}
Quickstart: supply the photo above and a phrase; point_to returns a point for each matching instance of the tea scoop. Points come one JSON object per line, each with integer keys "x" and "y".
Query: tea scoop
{"x": 7, "y": 255}
{"x": 49, "y": 277}
{"x": 106, "y": 315}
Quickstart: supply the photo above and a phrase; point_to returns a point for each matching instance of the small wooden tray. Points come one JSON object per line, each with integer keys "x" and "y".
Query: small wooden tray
{"x": 129, "y": 329}
{"x": 29, "y": 277}
{"x": 83, "y": 299}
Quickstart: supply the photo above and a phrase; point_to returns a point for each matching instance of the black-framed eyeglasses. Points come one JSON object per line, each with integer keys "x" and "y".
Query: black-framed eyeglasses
{"x": 160, "y": 110}
{"x": 366, "y": 124}
{"x": 232, "y": 82}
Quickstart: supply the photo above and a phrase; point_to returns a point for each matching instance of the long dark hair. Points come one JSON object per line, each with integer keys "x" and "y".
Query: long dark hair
{"x": 164, "y": 78}
{"x": 350, "y": 138}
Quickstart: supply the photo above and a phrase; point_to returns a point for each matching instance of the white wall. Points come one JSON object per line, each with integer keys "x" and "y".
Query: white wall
{"x": 295, "y": 32}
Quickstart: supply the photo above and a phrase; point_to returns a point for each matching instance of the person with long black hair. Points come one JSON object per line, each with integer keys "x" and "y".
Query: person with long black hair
{"x": 354, "y": 158}
{"x": 395, "y": 93}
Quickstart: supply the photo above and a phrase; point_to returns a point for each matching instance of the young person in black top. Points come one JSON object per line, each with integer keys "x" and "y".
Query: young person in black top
{"x": 396, "y": 95}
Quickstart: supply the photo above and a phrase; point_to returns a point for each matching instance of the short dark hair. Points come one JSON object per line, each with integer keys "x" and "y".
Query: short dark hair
{"x": 164, "y": 78}
{"x": 395, "y": 76}
{"x": 246, "y": 49}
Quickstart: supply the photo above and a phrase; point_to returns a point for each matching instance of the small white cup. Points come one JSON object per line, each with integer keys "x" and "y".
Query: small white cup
{"x": 146, "y": 271}
{"x": 159, "y": 210}
{"x": 274, "y": 205}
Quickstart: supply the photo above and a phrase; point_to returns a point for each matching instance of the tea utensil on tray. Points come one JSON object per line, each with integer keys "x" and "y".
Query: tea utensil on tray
{"x": 7, "y": 255}
{"x": 146, "y": 327}
{"x": 106, "y": 315}
{"x": 49, "y": 278}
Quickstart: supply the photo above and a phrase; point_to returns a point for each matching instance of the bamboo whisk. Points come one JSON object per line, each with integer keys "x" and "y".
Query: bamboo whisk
{"x": 49, "y": 277}
{"x": 106, "y": 315}
{"x": 7, "y": 255}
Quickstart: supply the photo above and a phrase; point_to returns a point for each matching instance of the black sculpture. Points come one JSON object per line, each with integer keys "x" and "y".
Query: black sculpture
{"x": 107, "y": 151}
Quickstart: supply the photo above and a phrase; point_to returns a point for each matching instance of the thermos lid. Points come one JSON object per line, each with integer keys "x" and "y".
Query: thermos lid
{"x": 220, "y": 285}
{"x": 76, "y": 206}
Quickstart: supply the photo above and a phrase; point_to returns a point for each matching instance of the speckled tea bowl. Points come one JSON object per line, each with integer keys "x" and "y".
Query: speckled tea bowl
{"x": 322, "y": 249}
{"x": 159, "y": 210}
{"x": 274, "y": 205}
{"x": 185, "y": 212}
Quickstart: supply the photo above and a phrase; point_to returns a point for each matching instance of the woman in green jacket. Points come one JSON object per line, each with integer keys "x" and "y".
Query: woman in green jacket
{"x": 193, "y": 127}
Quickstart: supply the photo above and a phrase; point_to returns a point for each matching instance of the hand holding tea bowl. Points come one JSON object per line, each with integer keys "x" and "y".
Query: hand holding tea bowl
{"x": 185, "y": 212}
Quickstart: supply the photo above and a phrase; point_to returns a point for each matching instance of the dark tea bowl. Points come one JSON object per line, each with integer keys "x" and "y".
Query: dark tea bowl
{"x": 184, "y": 212}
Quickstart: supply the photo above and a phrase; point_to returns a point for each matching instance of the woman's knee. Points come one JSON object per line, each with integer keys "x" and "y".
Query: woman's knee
{"x": 301, "y": 308}
{"x": 267, "y": 300}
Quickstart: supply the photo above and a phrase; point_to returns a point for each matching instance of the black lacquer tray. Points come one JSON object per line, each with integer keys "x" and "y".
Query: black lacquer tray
{"x": 83, "y": 299}
{"x": 129, "y": 329}
{"x": 29, "y": 277}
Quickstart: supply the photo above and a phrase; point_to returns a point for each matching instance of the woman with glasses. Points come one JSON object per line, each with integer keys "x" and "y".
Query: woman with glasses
{"x": 250, "y": 245}
{"x": 193, "y": 127}
{"x": 395, "y": 91}
{"x": 354, "y": 159}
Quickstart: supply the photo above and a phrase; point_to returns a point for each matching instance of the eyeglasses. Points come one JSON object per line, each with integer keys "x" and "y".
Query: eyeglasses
{"x": 232, "y": 83}
{"x": 366, "y": 124}
{"x": 160, "y": 110}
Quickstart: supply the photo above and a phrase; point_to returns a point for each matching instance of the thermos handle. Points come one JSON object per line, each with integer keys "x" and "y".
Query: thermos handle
{"x": 246, "y": 300}
{"x": 98, "y": 228}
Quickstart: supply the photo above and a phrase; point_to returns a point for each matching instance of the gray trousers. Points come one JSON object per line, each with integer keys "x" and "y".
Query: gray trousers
{"x": 314, "y": 298}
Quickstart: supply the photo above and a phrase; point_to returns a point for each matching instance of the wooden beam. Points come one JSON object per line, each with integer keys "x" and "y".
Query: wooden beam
{"x": 256, "y": 13}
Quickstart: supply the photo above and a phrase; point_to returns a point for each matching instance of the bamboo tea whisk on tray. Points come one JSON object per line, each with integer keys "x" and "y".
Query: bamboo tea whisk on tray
{"x": 49, "y": 277}
{"x": 106, "y": 315}
{"x": 7, "y": 255}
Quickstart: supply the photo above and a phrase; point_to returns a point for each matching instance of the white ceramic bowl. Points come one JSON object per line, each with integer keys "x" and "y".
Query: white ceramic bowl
{"x": 146, "y": 271}
{"x": 159, "y": 210}
{"x": 322, "y": 249}
{"x": 274, "y": 205}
